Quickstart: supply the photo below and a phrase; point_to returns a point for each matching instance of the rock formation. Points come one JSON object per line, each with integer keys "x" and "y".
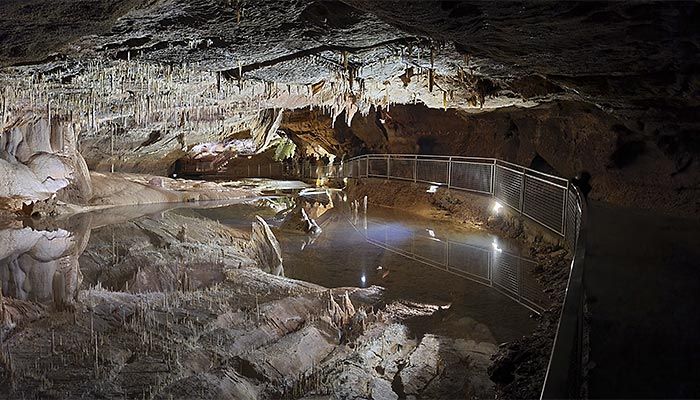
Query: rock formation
{"x": 265, "y": 249}
{"x": 39, "y": 159}
{"x": 149, "y": 79}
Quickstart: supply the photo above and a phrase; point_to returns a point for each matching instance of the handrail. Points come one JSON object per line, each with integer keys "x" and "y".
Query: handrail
{"x": 456, "y": 158}
{"x": 564, "y": 377}
{"x": 564, "y": 372}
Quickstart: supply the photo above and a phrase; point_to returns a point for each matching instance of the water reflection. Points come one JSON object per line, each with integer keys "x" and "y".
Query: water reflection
{"x": 477, "y": 256}
{"x": 423, "y": 262}
{"x": 490, "y": 265}
{"x": 154, "y": 248}
{"x": 40, "y": 262}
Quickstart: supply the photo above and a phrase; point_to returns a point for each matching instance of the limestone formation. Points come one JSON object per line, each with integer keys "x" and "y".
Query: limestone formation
{"x": 265, "y": 249}
{"x": 298, "y": 220}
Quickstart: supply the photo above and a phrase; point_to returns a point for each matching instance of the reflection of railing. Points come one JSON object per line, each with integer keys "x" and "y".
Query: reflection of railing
{"x": 491, "y": 266}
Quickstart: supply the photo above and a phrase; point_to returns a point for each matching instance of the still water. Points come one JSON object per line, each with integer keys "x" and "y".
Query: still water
{"x": 479, "y": 283}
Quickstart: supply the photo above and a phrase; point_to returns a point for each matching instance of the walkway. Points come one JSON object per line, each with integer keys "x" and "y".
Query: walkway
{"x": 643, "y": 282}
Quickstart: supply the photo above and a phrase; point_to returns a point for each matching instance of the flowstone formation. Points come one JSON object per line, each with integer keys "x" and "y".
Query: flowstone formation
{"x": 39, "y": 159}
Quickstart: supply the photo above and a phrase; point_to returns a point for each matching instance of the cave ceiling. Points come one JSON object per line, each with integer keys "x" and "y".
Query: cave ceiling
{"x": 209, "y": 67}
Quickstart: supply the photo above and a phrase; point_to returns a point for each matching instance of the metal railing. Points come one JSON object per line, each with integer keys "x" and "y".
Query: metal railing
{"x": 549, "y": 201}
{"x": 541, "y": 197}
{"x": 564, "y": 377}
{"x": 273, "y": 171}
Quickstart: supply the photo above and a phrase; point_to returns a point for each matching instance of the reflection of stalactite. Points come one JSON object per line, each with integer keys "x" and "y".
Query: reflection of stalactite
{"x": 2, "y": 309}
{"x": 431, "y": 71}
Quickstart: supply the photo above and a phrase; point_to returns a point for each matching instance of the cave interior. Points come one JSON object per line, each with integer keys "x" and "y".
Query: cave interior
{"x": 182, "y": 183}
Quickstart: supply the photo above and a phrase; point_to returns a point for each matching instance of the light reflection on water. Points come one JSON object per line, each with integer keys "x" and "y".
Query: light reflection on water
{"x": 415, "y": 260}
{"x": 424, "y": 261}
{"x": 478, "y": 257}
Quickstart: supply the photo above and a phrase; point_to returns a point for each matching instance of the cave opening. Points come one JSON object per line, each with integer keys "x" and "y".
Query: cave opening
{"x": 348, "y": 199}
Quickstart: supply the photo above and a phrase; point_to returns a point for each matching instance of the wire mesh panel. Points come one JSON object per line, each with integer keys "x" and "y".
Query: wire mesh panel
{"x": 349, "y": 169}
{"x": 402, "y": 168}
{"x": 471, "y": 176}
{"x": 377, "y": 167}
{"x": 470, "y": 260}
{"x": 362, "y": 167}
{"x": 505, "y": 273}
{"x": 432, "y": 171}
{"x": 573, "y": 219}
{"x": 544, "y": 202}
{"x": 507, "y": 186}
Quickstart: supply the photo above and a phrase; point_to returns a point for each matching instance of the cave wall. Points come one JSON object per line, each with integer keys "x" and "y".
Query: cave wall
{"x": 646, "y": 162}
{"x": 564, "y": 86}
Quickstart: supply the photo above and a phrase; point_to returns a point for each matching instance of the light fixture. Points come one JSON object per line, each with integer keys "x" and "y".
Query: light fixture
{"x": 432, "y": 189}
{"x": 495, "y": 247}
{"x": 431, "y": 232}
{"x": 363, "y": 279}
{"x": 496, "y": 207}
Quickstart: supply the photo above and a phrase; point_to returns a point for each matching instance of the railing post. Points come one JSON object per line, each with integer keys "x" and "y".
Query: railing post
{"x": 259, "y": 171}
{"x": 449, "y": 172}
{"x": 493, "y": 178}
{"x": 388, "y": 166}
{"x": 270, "y": 170}
{"x": 522, "y": 193}
{"x": 564, "y": 223}
{"x": 415, "y": 169}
